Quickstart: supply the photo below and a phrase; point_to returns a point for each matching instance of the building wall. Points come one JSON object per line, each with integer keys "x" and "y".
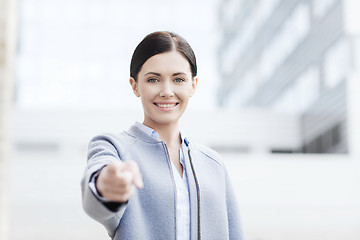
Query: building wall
{"x": 70, "y": 47}
{"x": 290, "y": 56}
{"x": 234, "y": 132}
{"x": 7, "y": 30}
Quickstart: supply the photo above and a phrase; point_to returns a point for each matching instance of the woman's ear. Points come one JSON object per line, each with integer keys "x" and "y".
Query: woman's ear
{"x": 193, "y": 85}
{"x": 134, "y": 86}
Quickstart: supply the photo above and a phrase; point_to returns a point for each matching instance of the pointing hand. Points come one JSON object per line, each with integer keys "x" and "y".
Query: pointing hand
{"x": 115, "y": 181}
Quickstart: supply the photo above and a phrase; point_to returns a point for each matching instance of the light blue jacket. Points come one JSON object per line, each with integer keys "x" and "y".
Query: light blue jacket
{"x": 151, "y": 212}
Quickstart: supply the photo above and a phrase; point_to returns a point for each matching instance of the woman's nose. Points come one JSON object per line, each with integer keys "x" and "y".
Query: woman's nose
{"x": 166, "y": 90}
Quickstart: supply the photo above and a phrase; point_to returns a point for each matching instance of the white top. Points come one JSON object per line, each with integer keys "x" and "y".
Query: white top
{"x": 182, "y": 202}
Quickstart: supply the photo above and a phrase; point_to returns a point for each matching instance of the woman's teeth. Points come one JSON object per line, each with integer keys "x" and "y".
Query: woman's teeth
{"x": 166, "y": 105}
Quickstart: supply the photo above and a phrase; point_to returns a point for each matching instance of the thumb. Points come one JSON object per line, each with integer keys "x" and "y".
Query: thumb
{"x": 133, "y": 168}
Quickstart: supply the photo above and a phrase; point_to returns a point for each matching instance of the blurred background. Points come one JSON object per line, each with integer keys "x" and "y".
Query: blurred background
{"x": 278, "y": 86}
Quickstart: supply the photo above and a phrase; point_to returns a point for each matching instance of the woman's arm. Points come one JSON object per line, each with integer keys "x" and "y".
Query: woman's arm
{"x": 235, "y": 228}
{"x": 107, "y": 183}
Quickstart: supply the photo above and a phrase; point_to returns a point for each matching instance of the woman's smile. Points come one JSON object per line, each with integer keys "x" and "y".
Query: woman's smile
{"x": 166, "y": 106}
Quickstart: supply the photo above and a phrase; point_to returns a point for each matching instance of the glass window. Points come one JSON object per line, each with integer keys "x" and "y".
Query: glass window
{"x": 336, "y": 63}
{"x": 248, "y": 87}
{"x": 321, "y": 7}
{"x": 264, "y": 9}
{"x": 301, "y": 94}
{"x": 307, "y": 89}
{"x": 243, "y": 90}
{"x": 239, "y": 43}
{"x": 231, "y": 10}
{"x": 283, "y": 44}
{"x": 286, "y": 103}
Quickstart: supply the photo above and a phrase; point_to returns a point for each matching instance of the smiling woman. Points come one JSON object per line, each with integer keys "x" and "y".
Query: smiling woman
{"x": 182, "y": 189}
{"x": 165, "y": 84}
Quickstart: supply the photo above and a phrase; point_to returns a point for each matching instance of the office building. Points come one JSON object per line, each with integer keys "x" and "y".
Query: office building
{"x": 292, "y": 56}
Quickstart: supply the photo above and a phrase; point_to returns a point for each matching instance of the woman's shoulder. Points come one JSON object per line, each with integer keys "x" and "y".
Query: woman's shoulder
{"x": 120, "y": 139}
{"x": 207, "y": 152}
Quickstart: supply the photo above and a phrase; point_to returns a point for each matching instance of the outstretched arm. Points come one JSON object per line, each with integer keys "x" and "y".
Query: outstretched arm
{"x": 107, "y": 183}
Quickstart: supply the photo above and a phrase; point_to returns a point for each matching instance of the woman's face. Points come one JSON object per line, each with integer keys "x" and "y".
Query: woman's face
{"x": 164, "y": 85}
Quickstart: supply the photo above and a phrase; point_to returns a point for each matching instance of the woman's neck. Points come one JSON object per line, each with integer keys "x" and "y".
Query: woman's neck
{"x": 167, "y": 132}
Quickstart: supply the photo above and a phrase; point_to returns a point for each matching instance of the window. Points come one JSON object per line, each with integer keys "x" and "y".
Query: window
{"x": 307, "y": 89}
{"x": 231, "y": 10}
{"x": 301, "y": 94}
{"x": 325, "y": 142}
{"x": 264, "y": 9}
{"x": 321, "y": 7}
{"x": 239, "y": 43}
{"x": 285, "y": 42}
{"x": 336, "y": 64}
{"x": 243, "y": 91}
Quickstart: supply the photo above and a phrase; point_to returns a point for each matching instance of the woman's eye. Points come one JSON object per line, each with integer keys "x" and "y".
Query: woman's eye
{"x": 179, "y": 80}
{"x": 152, "y": 80}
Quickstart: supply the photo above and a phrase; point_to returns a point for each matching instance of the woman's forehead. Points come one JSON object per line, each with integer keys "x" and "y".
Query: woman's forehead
{"x": 167, "y": 62}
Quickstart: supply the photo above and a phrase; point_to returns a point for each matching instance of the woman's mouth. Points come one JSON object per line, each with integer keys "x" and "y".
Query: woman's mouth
{"x": 166, "y": 106}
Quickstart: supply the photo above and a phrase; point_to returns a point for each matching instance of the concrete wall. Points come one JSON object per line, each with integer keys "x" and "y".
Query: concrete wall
{"x": 297, "y": 196}
{"x": 251, "y": 130}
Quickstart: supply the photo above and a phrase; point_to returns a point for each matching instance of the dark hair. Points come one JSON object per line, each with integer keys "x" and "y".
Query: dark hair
{"x": 160, "y": 42}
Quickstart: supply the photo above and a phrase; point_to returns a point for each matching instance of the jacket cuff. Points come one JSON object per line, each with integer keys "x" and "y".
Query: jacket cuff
{"x": 112, "y": 206}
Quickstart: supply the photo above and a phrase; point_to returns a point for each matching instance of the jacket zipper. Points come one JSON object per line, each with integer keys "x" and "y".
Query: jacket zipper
{"x": 198, "y": 194}
{"x": 196, "y": 184}
{"x": 174, "y": 184}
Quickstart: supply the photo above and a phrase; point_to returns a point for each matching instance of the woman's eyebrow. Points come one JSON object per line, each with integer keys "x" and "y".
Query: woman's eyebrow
{"x": 152, "y": 73}
{"x": 158, "y": 74}
{"x": 179, "y": 73}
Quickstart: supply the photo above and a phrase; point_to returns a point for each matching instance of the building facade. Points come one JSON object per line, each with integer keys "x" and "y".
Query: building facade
{"x": 292, "y": 56}
{"x": 7, "y": 53}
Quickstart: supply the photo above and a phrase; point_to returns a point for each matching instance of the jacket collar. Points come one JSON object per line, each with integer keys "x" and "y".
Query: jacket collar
{"x": 141, "y": 135}
{"x": 136, "y": 132}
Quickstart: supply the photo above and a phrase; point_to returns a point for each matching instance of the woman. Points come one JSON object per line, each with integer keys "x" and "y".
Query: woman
{"x": 182, "y": 190}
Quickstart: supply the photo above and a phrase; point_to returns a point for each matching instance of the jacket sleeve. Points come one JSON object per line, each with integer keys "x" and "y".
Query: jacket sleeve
{"x": 235, "y": 228}
{"x": 101, "y": 152}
